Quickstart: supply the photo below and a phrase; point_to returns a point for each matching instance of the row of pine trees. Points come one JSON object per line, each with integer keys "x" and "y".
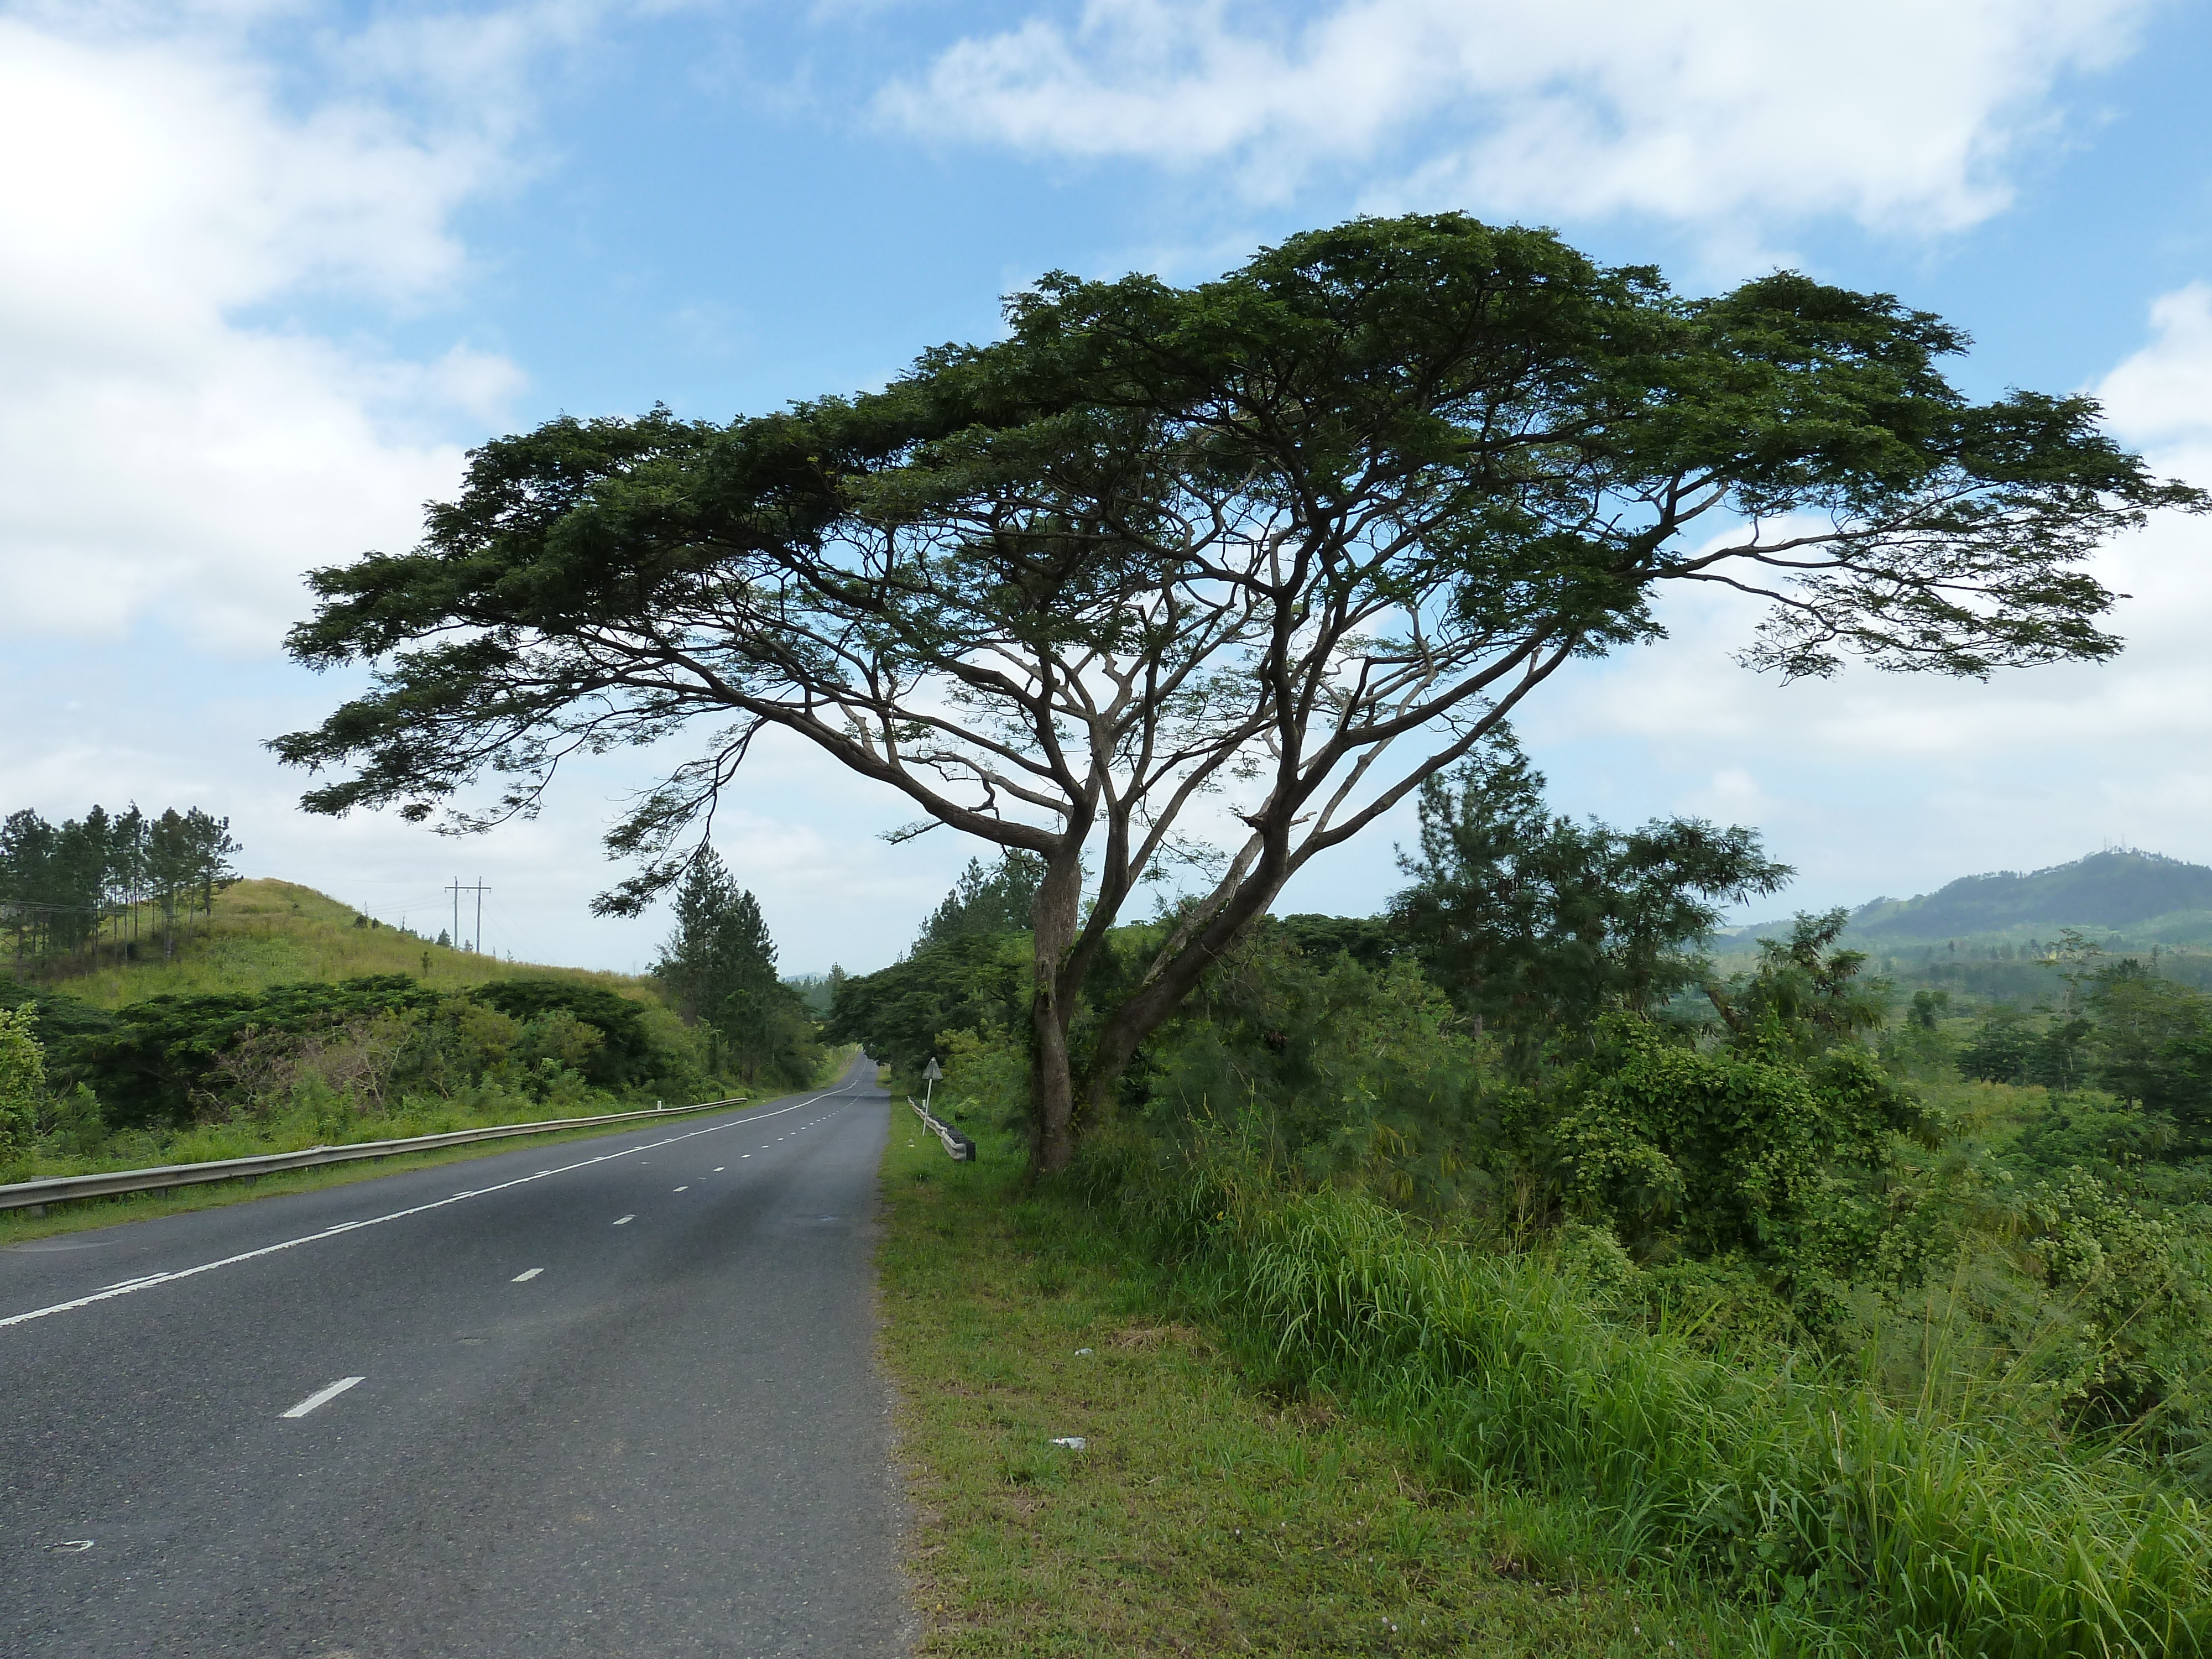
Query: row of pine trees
{"x": 108, "y": 879}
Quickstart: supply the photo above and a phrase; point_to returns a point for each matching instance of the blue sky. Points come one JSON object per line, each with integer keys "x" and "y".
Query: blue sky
{"x": 267, "y": 269}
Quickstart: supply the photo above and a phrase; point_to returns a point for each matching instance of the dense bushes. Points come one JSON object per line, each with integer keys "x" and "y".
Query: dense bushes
{"x": 970, "y": 982}
{"x": 169, "y": 1060}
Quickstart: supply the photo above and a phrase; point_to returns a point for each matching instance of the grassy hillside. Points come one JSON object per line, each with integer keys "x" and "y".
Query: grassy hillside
{"x": 265, "y": 933}
{"x": 295, "y": 1023}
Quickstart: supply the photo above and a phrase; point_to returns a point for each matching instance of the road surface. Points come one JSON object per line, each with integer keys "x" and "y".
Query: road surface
{"x": 610, "y": 1397}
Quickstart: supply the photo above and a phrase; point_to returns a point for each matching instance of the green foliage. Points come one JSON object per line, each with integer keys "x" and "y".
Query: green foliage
{"x": 1932, "y": 1529}
{"x": 818, "y": 991}
{"x": 1340, "y": 496}
{"x": 1911, "y": 1365}
{"x": 1535, "y": 923}
{"x": 170, "y": 1059}
{"x": 974, "y": 983}
{"x": 1329, "y": 1072}
{"x": 156, "y": 1061}
{"x": 719, "y": 969}
{"x": 619, "y": 1055}
{"x": 1733, "y": 1147}
{"x": 2152, "y": 1044}
{"x": 2014, "y": 1047}
{"x": 1370, "y": 941}
{"x": 22, "y": 1079}
{"x": 2145, "y": 1039}
{"x": 987, "y": 1079}
{"x": 1805, "y": 991}
{"x": 62, "y": 884}
{"x": 987, "y": 901}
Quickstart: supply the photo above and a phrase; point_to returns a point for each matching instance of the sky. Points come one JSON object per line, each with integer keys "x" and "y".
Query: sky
{"x": 269, "y": 268}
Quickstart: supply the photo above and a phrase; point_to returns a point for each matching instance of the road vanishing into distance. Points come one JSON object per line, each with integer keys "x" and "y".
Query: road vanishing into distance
{"x": 612, "y": 1397}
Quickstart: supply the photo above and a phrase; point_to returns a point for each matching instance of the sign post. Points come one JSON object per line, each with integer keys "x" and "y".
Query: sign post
{"x": 929, "y": 1074}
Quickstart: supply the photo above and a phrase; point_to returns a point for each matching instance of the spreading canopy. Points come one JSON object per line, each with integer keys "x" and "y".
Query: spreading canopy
{"x": 1265, "y": 553}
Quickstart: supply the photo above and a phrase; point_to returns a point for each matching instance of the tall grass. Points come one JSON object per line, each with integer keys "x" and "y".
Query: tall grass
{"x": 1947, "y": 1528}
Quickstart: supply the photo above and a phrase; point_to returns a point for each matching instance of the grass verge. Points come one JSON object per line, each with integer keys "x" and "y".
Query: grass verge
{"x": 1202, "y": 1516}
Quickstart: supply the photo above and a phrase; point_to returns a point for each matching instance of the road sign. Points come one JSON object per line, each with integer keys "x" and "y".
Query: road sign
{"x": 932, "y": 1071}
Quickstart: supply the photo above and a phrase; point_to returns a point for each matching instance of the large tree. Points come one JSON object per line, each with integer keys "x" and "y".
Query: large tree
{"x": 1204, "y": 581}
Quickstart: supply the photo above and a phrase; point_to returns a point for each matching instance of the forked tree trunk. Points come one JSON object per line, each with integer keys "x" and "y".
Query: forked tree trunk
{"x": 1065, "y": 1107}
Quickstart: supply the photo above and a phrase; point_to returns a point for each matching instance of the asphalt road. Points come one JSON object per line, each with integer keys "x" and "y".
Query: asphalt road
{"x": 626, "y": 1405}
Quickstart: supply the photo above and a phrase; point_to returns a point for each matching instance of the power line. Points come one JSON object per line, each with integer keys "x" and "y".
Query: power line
{"x": 479, "y": 890}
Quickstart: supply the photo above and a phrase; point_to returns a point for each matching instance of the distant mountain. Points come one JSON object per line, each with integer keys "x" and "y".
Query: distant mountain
{"x": 2145, "y": 897}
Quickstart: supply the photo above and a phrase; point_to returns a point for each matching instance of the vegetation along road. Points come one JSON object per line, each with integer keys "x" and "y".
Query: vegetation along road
{"x": 614, "y": 1397}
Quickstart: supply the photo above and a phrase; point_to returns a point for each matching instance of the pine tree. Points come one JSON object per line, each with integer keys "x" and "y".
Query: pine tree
{"x": 986, "y": 901}
{"x": 719, "y": 968}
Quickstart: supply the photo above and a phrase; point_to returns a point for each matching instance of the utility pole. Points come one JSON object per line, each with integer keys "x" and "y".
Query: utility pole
{"x": 479, "y": 890}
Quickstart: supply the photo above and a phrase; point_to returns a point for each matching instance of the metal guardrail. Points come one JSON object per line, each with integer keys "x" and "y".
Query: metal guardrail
{"x": 962, "y": 1149}
{"x": 57, "y": 1189}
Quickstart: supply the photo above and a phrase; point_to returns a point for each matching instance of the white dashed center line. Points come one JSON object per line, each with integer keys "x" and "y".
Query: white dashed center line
{"x": 133, "y": 1287}
{"x": 524, "y": 1277}
{"x": 682, "y": 1190}
{"x": 322, "y": 1396}
{"x": 625, "y": 1221}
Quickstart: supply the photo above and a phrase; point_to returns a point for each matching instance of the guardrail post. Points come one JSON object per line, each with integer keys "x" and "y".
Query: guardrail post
{"x": 957, "y": 1146}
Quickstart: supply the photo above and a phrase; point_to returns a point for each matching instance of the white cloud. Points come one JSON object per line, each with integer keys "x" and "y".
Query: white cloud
{"x": 163, "y": 450}
{"x": 176, "y": 446}
{"x": 2161, "y": 397}
{"x": 1898, "y": 114}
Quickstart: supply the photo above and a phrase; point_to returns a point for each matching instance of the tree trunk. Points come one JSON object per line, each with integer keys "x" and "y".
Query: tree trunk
{"x": 1122, "y": 1033}
{"x": 1051, "y": 1008}
{"x": 1052, "y": 1090}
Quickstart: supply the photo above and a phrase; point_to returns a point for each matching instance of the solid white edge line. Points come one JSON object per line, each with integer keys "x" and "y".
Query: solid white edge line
{"x": 321, "y": 1397}
{"x": 152, "y": 1280}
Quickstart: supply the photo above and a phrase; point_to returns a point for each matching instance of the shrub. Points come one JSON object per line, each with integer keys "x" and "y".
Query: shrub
{"x": 22, "y": 1081}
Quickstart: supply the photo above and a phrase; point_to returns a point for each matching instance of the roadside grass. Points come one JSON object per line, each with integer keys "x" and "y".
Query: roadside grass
{"x": 1945, "y": 1525}
{"x": 1203, "y": 1515}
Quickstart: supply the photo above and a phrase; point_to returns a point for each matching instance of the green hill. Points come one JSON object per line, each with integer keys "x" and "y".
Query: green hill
{"x": 2146, "y": 896}
{"x": 265, "y": 933}
{"x": 2123, "y": 898}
